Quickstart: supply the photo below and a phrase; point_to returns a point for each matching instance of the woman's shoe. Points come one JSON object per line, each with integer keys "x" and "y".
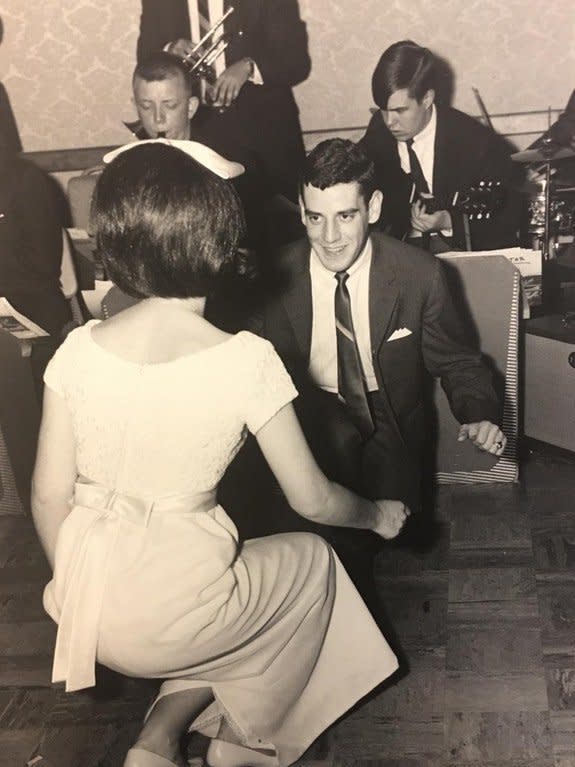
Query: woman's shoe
{"x": 224, "y": 754}
{"x": 138, "y": 757}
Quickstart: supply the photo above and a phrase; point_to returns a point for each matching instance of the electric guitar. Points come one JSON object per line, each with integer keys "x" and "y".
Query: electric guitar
{"x": 479, "y": 202}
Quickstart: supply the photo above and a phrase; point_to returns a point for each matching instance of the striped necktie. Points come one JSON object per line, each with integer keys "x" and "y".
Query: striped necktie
{"x": 350, "y": 379}
{"x": 209, "y": 13}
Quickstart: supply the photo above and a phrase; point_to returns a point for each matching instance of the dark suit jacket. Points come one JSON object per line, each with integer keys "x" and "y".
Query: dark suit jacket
{"x": 31, "y": 244}
{"x": 261, "y": 129}
{"x": 407, "y": 289}
{"x": 465, "y": 152}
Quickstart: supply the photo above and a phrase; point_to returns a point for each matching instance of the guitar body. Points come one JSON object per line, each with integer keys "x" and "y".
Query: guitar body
{"x": 478, "y": 202}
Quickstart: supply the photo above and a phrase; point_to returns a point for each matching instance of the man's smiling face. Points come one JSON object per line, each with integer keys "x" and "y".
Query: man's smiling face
{"x": 337, "y": 221}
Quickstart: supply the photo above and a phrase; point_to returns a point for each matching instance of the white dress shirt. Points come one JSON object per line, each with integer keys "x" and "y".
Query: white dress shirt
{"x": 323, "y": 352}
{"x": 424, "y": 147}
{"x": 216, "y": 12}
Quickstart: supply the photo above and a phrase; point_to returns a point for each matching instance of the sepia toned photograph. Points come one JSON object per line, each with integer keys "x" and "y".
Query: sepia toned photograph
{"x": 287, "y": 374}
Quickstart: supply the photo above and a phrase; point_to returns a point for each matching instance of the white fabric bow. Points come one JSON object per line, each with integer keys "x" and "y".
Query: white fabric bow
{"x": 200, "y": 152}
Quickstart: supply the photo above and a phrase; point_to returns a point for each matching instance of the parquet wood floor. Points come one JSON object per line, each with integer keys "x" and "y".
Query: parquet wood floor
{"x": 484, "y": 621}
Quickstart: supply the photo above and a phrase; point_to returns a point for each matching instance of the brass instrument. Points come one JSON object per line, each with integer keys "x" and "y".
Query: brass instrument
{"x": 200, "y": 59}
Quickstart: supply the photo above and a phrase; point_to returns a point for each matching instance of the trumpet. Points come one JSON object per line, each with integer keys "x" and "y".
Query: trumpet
{"x": 200, "y": 59}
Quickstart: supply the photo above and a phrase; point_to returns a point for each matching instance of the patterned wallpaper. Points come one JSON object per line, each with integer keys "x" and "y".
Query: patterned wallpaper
{"x": 66, "y": 63}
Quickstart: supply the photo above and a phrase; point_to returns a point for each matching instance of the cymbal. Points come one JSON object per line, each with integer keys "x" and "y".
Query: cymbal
{"x": 543, "y": 154}
{"x": 535, "y": 187}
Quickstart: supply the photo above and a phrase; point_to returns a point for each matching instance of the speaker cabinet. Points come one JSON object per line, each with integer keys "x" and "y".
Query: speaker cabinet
{"x": 550, "y": 381}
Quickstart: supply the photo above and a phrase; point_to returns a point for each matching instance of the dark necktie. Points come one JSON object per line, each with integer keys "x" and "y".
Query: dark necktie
{"x": 350, "y": 381}
{"x": 420, "y": 184}
{"x": 417, "y": 176}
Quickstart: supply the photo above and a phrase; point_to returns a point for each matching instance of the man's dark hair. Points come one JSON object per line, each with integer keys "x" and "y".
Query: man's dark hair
{"x": 162, "y": 65}
{"x": 165, "y": 225}
{"x": 339, "y": 161}
{"x": 404, "y": 65}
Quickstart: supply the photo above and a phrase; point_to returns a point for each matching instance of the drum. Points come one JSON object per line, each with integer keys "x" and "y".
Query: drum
{"x": 561, "y": 217}
{"x": 562, "y": 214}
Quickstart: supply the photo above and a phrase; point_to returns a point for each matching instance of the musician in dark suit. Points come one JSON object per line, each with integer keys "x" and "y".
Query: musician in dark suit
{"x": 267, "y": 55}
{"x": 168, "y": 104}
{"x": 31, "y": 243}
{"x": 415, "y": 142}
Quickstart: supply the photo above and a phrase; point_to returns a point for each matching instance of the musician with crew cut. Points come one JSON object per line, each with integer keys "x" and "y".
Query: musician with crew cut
{"x": 255, "y": 110}
{"x": 168, "y": 105}
{"x": 166, "y": 99}
{"x": 421, "y": 148}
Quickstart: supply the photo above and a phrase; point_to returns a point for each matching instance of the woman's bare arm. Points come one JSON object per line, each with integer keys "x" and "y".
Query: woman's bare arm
{"x": 310, "y": 492}
{"x": 55, "y": 471}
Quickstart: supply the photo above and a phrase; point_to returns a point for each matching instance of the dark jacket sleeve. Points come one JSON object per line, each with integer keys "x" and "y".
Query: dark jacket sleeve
{"x": 162, "y": 21}
{"x": 448, "y": 356}
{"x": 279, "y": 44}
{"x": 381, "y": 147}
{"x": 479, "y": 154}
{"x": 38, "y": 224}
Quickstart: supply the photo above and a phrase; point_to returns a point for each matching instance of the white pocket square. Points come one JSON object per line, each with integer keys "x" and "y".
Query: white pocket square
{"x": 399, "y": 333}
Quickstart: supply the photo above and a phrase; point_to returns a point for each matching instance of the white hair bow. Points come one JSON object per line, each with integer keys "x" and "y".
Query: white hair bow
{"x": 200, "y": 152}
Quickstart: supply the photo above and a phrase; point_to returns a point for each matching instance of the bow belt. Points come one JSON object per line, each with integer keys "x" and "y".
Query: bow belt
{"x": 78, "y": 626}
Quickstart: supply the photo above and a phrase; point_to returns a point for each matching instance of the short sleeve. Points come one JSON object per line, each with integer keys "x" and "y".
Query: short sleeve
{"x": 58, "y": 369}
{"x": 270, "y": 386}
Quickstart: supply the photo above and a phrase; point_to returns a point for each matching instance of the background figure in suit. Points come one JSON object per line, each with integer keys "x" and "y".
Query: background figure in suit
{"x": 369, "y": 432}
{"x": 413, "y": 140}
{"x": 267, "y": 54}
{"x": 9, "y": 135}
{"x": 31, "y": 243}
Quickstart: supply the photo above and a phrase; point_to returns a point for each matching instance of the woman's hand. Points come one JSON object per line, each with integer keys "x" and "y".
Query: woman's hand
{"x": 392, "y": 517}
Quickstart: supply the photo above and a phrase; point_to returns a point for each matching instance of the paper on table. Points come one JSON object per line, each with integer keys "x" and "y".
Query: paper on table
{"x": 17, "y": 324}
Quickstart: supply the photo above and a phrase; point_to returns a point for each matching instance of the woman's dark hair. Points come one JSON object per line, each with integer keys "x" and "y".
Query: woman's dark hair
{"x": 404, "y": 65}
{"x": 339, "y": 161}
{"x": 164, "y": 224}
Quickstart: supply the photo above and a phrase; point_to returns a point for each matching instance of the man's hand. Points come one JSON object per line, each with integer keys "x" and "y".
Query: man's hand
{"x": 229, "y": 84}
{"x": 421, "y": 221}
{"x": 392, "y": 516}
{"x": 181, "y": 48}
{"x": 484, "y": 435}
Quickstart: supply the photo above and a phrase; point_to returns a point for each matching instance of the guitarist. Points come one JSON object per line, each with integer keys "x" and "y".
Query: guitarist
{"x": 422, "y": 149}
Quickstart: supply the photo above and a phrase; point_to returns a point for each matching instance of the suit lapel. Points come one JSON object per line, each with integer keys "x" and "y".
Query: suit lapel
{"x": 383, "y": 295}
{"x": 383, "y": 309}
{"x": 441, "y": 162}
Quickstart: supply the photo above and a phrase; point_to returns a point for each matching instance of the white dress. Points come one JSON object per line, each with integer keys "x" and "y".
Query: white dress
{"x": 152, "y": 584}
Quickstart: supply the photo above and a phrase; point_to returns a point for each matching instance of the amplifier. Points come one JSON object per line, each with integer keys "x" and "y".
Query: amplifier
{"x": 549, "y": 380}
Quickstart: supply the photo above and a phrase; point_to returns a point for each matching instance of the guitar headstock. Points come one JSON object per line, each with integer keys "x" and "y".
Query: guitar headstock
{"x": 480, "y": 201}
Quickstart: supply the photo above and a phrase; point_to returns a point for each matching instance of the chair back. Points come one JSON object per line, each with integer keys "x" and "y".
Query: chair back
{"x": 486, "y": 288}
{"x": 116, "y": 301}
{"x": 80, "y": 193}
{"x": 68, "y": 281}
